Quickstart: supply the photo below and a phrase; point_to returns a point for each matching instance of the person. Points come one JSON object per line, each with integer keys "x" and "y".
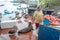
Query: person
{"x": 38, "y": 16}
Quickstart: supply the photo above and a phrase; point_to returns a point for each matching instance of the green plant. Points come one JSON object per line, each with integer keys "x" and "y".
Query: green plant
{"x": 50, "y": 3}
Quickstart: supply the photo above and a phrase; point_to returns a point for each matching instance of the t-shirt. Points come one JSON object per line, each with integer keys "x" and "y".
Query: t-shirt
{"x": 38, "y": 16}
